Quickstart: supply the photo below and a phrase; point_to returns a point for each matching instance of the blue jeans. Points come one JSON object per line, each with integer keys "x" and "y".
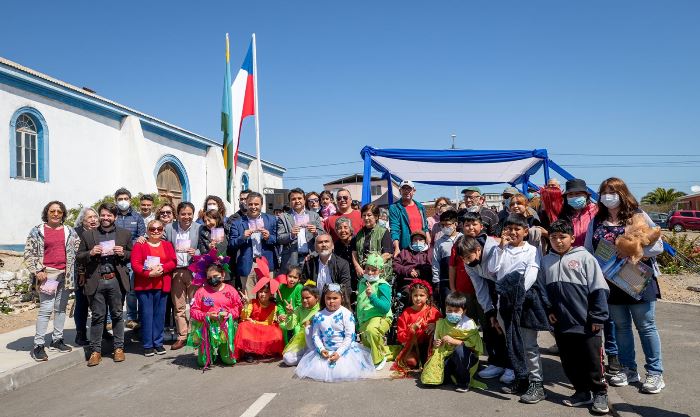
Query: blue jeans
{"x": 644, "y": 317}
{"x": 152, "y": 304}
{"x": 610, "y": 340}
{"x": 132, "y": 311}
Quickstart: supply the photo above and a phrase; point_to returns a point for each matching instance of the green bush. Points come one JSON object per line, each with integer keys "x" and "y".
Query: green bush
{"x": 687, "y": 257}
{"x": 73, "y": 212}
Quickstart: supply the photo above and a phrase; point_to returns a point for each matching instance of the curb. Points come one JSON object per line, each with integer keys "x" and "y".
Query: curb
{"x": 32, "y": 372}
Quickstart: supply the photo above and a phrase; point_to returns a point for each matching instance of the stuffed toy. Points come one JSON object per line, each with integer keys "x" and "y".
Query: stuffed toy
{"x": 638, "y": 234}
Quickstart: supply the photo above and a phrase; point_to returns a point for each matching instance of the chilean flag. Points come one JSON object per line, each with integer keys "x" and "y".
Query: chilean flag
{"x": 242, "y": 99}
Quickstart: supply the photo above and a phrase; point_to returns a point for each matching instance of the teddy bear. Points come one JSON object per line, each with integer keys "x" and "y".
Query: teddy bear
{"x": 638, "y": 234}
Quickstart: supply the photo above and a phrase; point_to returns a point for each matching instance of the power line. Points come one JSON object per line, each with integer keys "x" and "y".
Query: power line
{"x": 325, "y": 165}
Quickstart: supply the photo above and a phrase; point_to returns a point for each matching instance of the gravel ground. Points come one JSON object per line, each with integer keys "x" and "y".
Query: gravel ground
{"x": 674, "y": 288}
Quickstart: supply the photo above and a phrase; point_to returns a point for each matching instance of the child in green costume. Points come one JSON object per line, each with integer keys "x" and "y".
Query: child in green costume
{"x": 456, "y": 348}
{"x": 289, "y": 295}
{"x": 300, "y": 318}
{"x": 374, "y": 310}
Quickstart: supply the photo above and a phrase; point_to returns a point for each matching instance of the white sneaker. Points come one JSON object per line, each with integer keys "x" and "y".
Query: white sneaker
{"x": 491, "y": 371}
{"x": 381, "y": 364}
{"x": 653, "y": 384}
{"x": 624, "y": 378}
{"x": 508, "y": 377}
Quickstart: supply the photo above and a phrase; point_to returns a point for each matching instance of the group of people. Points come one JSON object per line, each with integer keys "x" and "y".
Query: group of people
{"x": 338, "y": 292}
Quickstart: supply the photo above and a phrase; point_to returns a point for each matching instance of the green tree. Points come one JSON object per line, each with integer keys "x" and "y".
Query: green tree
{"x": 662, "y": 196}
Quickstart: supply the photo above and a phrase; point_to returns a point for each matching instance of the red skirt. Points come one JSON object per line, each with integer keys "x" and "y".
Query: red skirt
{"x": 258, "y": 339}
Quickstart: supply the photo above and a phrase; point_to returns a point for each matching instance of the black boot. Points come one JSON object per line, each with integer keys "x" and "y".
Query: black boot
{"x": 518, "y": 387}
{"x": 81, "y": 338}
{"x": 535, "y": 393}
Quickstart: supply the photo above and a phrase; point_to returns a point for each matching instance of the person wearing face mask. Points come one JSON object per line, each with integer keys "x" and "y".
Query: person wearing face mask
{"x": 616, "y": 208}
{"x": 374, "y": 315}
{"x": 442, "y": 204}
{"x": 440, "y": 258}
{"x": 213, "y": 202}
{"x": 129, "y": 219}
{"x": 578, "y": 208}
{"x": 324, "y": 267}
{"x": 105, "y": 253}
{"x": 411, "y": 264}
{"x": 153, "y": 261}
{"x": 474, "y": 203}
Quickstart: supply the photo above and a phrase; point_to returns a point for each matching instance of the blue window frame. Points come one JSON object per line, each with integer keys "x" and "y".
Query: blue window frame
{"x": 245, "y": 182}
{"x": 29, "y": 145}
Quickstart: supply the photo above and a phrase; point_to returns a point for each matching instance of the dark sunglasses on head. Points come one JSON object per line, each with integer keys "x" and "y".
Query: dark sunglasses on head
{"x": 155, "y": 229}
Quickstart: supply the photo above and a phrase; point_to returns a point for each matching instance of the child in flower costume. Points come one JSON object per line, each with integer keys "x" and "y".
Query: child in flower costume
{"x": 300, "y": 318}
{"x": 456, "y": 348}
{"x": 289, "y": 295}
{"x": 214, "y": 312}
{"x": 374, "y": 314}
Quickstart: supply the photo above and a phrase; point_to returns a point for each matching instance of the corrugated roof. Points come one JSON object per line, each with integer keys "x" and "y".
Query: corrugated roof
{"x": 84, "y": 92}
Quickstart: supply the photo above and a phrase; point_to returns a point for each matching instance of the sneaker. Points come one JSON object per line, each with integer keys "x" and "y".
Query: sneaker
{"x": 132, "y": 324}
{"x": 491, "y": 371}
{"x": 60, "y": 346}
{"x": 624, "y": 377}
{"x": 579, "y": 398}
{"x": 160, "y": 350}
{"x": 653, "y": 384}
{"x": 614, "y": 366}
{"x": 535, "y": 393}
{"x": 39, "y": 354}
{"x": 600, "y": 403}
{"x": 462, "y": 389}
{"x": 149, "y": 352}
{"x": 507, "y": 377}
{"x": 381, "y": 364}
{"x": 517, "y": 387}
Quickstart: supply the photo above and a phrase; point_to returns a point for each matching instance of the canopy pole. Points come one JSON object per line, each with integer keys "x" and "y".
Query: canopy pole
{"x": 546, "y": 171}
{"x": 390, "y": 189}
{"x": 564, "y": 173}
{"x": 367, "y": 180}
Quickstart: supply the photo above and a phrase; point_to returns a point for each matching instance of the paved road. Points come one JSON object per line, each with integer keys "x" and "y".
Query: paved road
{"x": 171, "y": 385}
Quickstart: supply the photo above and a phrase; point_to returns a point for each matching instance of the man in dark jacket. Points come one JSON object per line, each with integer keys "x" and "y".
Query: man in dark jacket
{"x": 105, "y": 254}
{"x": 325, "y": 268}
{"x": 132, "y": 221}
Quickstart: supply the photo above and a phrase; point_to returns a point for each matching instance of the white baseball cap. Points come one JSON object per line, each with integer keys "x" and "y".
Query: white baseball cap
{"x": 408, "y": 183}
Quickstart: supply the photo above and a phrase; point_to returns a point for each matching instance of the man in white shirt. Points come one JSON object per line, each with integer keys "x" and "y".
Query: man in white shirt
{"x": 325, "y": 268}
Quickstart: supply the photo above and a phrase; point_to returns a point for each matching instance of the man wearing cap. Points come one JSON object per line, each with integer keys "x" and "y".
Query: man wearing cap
{"x": 406, "y": 216}
{"x": 578, "y": 208}
{"x": 474, "y": 202}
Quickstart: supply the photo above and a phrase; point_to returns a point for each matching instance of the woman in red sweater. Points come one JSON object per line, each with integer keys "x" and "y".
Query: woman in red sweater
{"x": 153, "y": 261}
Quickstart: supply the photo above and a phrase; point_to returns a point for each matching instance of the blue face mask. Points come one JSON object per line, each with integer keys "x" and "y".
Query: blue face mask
{"x": 577, "y": 202}
{"x": 419, "y": 247}
{"x": 453, "y": 318}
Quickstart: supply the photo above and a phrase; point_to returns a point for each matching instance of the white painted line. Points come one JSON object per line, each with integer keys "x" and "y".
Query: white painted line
{"x": 258, "y": 405}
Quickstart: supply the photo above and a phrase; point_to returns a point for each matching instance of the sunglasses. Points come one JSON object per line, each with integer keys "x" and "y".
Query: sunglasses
{"x": 155, "y": 229}
{"x": 313, "y": 200}
{"x": 56, "y": 211}
{"x": 343, "y": 197}
{"x": 166, "y": 213}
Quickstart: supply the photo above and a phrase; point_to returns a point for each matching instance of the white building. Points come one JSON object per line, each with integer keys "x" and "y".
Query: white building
{"x": 66, "y": 143}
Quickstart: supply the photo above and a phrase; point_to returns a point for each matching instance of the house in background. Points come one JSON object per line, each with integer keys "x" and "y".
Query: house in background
{"x": 66, "y": 143}
{"x": 688, "y": 202}
{"x": 353, "y": 184}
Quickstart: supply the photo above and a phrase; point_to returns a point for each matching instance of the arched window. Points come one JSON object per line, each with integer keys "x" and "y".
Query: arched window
{"x": 28, "y": 145}
{"x": 245, "y": 182}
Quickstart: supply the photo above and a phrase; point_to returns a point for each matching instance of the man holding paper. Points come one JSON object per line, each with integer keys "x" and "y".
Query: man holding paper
{"x": 254, "y": 235}
{"x": 297, "y": 230}
{"x": 105, "y": 252}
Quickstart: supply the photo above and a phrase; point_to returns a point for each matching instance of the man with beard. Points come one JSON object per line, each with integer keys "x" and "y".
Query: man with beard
{"x": 326, "y": 268}
{"x": 105, "y": 252}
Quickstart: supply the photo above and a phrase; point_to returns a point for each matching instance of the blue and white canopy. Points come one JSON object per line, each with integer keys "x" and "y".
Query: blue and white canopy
{"x": 457, "y": 167}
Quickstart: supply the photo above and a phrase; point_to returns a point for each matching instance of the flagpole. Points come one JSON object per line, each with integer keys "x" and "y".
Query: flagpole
{"x": 230, "y": 176}
{"x": 257, "y": 118}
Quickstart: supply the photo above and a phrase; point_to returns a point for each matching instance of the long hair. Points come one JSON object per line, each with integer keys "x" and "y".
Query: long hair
{"x": 552, "y": 202}
{"x": 628, "y": 204}
{"x": 221, "y": 208}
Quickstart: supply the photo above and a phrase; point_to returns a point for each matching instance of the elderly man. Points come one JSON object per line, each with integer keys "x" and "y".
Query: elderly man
{"x": 344, "y": 201}
{"x": 405, "y": 217}
{"x": 297, "y": 230}
{"x": 325, "y": 267}
{"x": 474, "y": 202}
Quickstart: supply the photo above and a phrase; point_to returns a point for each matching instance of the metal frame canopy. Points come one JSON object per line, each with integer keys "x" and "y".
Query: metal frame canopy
{"x": 457, "y": 167}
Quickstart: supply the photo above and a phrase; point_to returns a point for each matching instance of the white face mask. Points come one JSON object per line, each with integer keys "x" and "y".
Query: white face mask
{"x": 212, "y": 207}
{"x": 371, "y": 278}
{"x": 447, "y": 231}
{"x": 610, "y": 201}
{"x": 123, "y": 205}
{"x": 474, "y": 209}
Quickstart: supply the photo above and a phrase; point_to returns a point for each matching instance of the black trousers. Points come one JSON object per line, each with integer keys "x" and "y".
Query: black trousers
{"x": 582, "y": 359}
{"x": 457, "y": 366}
{"x": 109, "y": 293}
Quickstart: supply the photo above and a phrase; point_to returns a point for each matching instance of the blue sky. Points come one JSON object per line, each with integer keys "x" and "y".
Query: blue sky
{"x": 583, "y": 79}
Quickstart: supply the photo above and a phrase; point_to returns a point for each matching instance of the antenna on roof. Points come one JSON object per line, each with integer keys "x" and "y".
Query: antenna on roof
{"x": 453, "y": 136}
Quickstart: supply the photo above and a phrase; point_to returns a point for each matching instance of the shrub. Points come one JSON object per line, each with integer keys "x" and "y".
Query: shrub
{"x": 73, "y": 212}
{"x": 687, "y": 257}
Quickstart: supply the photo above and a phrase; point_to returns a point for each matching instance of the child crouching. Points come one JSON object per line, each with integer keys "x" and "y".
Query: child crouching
{"x": 456, "y": 348}
{"x": 300, "y": 318}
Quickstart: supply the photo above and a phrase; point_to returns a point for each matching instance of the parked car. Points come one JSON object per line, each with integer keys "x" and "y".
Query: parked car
{"x": 661, "y": 219}
{"x": 682, "y": 220}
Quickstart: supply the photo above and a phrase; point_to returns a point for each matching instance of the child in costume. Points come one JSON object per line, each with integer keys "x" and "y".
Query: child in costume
{"x": 259, "y": 334}
{"x": 374, "y": 309}
{"x": 288, "y": 295}
{"x": 215, "y": 309}
{"x": 415, "y": 327}
{"x": 456, "y": 348}
{"x": 300, "y": 318}
{"x": 336, "y": 355}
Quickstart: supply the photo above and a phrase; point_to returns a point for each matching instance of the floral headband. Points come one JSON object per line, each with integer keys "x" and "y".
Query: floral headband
{"x": 333, "y": 287}
{"x": 200, "y": 264}
{"x": 416, "y": 282}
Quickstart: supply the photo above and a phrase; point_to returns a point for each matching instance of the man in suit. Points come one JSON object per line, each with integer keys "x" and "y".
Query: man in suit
{"x": 297, "y": 230}
{"x": 325, "y": 268}
{"x": 105, "y": 253}
{"x": 254, "y": 235}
